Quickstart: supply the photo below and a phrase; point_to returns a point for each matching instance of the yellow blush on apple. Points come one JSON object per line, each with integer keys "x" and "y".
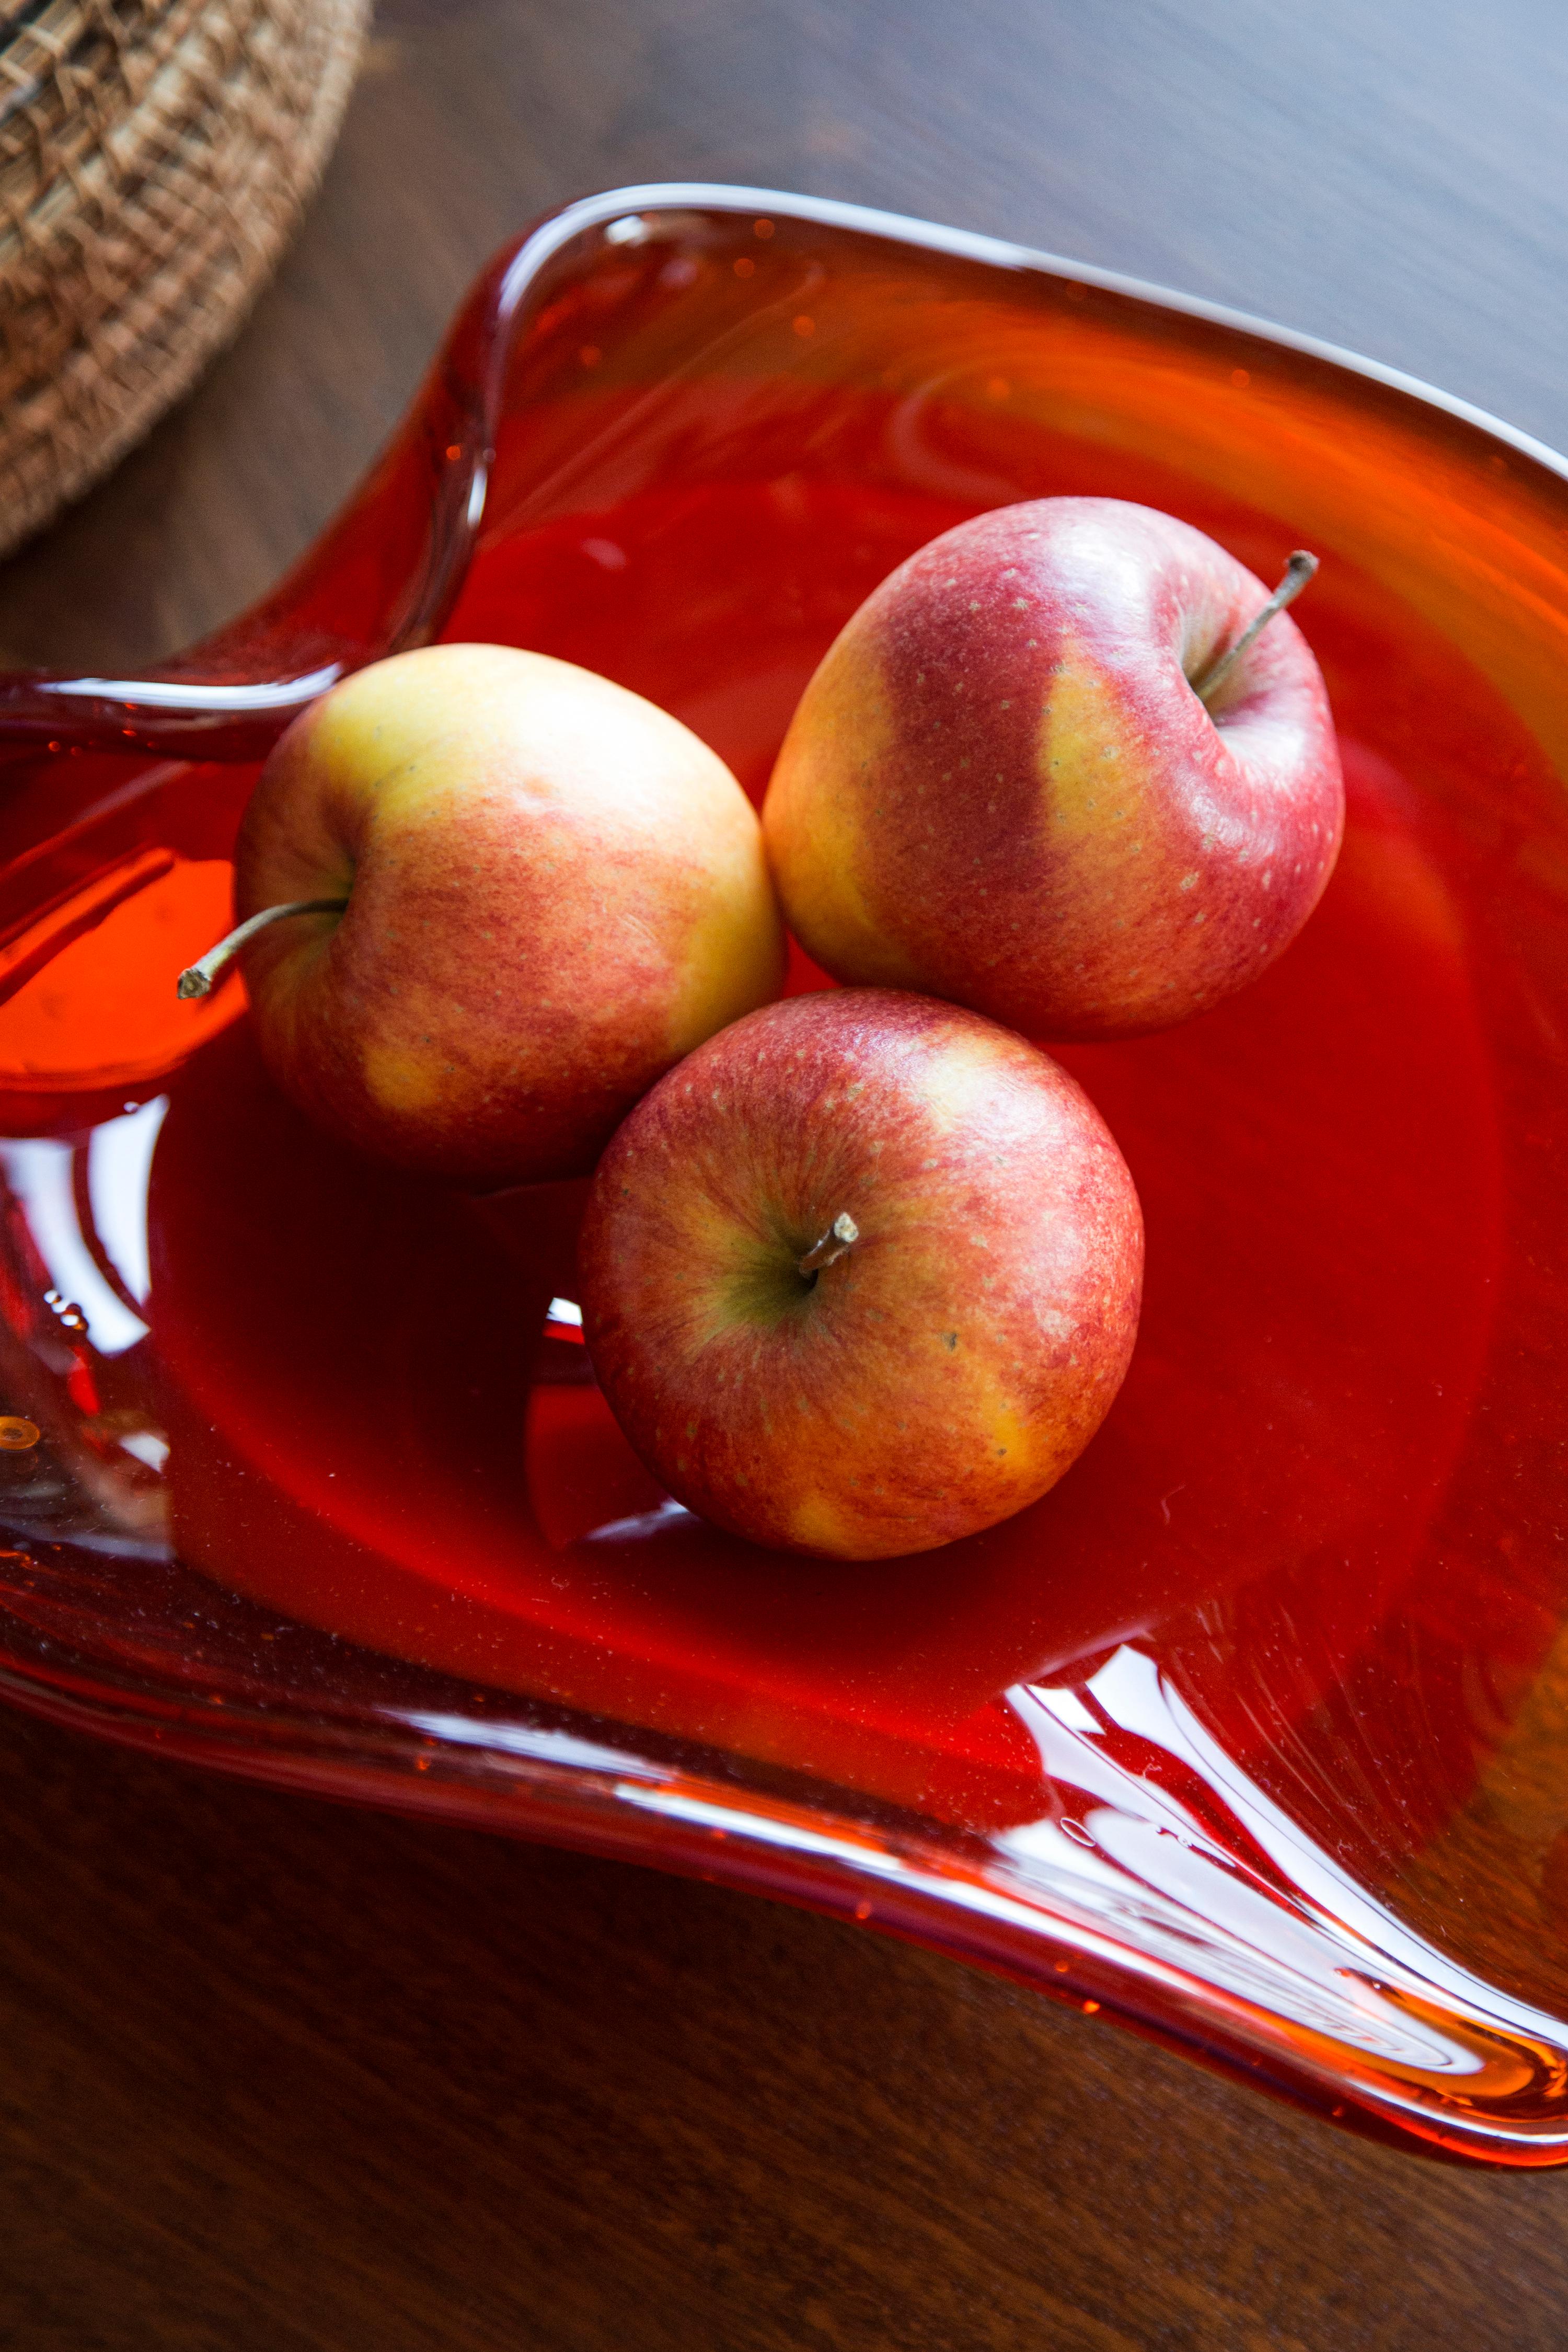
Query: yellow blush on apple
{"x": 533, "y": 893}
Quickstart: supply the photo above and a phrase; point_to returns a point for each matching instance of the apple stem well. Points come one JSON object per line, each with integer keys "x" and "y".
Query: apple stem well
{"x": 200, "y": 979}
{"x": 1298, "y": 572}
{"x": 835, "y": 1242}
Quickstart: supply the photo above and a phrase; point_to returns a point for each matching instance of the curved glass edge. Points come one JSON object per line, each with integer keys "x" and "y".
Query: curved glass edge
{"x": 1310, "y": 1990}
{"x": 557, "y": 230}
{"x": 192, "y": 714}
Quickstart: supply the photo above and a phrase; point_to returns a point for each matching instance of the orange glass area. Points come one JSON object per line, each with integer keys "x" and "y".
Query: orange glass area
{"x": 78, "y": 1009}
{"x": 1327, "y": 1514}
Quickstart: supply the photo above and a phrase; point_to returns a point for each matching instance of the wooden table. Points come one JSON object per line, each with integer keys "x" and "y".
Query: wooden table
{"x": 274, "y": 2076}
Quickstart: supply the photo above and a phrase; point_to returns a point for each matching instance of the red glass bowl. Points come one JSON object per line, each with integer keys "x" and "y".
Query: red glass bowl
{"x": 1254, "y": 1733}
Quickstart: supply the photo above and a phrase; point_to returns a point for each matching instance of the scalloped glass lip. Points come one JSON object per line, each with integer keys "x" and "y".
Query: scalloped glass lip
{"x": 186, "y": 716}
{"x": 541, "y": 244}
{"x": 1012, "y": 1911}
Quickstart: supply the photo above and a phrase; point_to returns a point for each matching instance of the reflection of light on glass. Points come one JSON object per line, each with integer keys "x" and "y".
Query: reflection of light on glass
{"x": 147, "y": 1447}
{"x": 39, "y": 1175}
{"x": 563, "y": 1320}
{"x": 477, "y": 491}
{"x": 640, "y": 1524}
{"x": 276, "y": 694}
{"x": 1300, "y": 1938}
{"x": 545, "y": 1746}
{"x": 736, "y": 1821}
{"x": 862, "y": 1853}
{"x": 119, "y": 1164}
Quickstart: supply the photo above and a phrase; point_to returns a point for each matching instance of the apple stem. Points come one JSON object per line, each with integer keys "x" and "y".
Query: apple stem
{"x": 202, "y": 978}
{"x": 1298, "y": 572}
{"x": 831, "y": 1247}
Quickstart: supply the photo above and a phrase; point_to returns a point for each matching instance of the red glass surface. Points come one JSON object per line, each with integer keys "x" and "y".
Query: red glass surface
{"x": 1255, "y": 1731}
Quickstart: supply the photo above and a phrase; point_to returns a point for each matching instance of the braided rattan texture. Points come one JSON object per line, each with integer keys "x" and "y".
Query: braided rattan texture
{"x": 154, "y": 156}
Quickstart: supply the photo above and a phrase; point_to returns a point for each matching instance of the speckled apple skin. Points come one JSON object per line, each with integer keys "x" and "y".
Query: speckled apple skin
{"x": 947, "y": 1369}
{"x": 555, "y": 888}
{"x": 1000, "y": 785}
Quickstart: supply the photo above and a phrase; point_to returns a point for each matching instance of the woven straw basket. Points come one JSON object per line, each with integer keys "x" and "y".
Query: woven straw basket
{"x": 154, "y": 155}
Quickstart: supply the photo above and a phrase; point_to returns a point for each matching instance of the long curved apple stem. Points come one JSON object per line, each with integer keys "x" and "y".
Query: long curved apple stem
{"x": 201, "y": 978}
{"x": 831, "y": 1247}
{"x": 1298, "y": 572}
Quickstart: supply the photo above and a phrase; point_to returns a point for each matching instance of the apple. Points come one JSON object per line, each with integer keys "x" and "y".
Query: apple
{"x": 862, "y": 1274}
{"x": 488, "y": 898}
{"x": 1004, "y": 785}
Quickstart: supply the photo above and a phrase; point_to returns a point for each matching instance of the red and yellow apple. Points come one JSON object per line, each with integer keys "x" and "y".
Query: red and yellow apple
{"x": 1003, "y": 785}
{"x": 551, "y": 891}
{"x": 862, "y": 1274}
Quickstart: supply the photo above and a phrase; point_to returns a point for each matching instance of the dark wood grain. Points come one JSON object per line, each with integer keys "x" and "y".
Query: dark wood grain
{"x": 278, "y": 2078}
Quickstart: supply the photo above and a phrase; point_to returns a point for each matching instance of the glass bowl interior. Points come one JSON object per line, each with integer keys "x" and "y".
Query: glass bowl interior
{"x": 1254, "y": 1732}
